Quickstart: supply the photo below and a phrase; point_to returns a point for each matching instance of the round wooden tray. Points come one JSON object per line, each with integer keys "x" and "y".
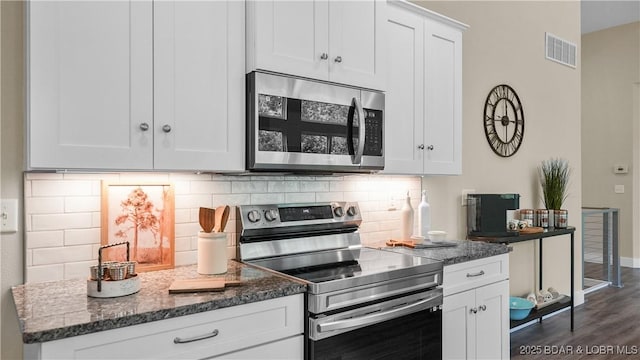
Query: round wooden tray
{"x": 112, "y": 289}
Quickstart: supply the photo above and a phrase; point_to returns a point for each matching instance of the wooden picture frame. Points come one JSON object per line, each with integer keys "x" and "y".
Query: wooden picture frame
{"x": 142, "y": 214}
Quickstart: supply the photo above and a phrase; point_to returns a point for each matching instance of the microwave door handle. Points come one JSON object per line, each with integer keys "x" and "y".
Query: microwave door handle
{"x": 357, "y": 159}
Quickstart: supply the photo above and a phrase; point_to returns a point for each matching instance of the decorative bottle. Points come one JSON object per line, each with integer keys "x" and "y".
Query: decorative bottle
{"x": 424, "y": 216}
{"x": 406, "y": 218}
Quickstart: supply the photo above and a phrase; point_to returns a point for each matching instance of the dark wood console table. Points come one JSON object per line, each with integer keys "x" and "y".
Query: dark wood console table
{"x": 547, "y": 233}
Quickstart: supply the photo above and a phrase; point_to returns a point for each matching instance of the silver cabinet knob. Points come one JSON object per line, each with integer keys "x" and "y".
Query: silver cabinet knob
{"x": 166, "y": 128}
{"x": 482, "y": 307}
{"x": 421, "y": 146}
{"x": 430, "y": 147}
{"x": 338, "y": 59}
{"x": 144, "y": 126}
{"x": 324, "y": 56}
{"x": 473, "y": 310}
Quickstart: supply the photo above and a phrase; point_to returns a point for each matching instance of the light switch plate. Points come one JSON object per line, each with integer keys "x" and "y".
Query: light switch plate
{"x": 621, "y": 169}
{"x": 9, "y": 216}
{"x": 619, "y": 189}
{"x": 466, "y": 192}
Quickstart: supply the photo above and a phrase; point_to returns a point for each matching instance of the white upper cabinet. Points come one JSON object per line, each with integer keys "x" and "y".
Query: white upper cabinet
{"x": 90, "y": 84}
{"x": 199, "y": 85}
{"x": 337, "y": 41}
{"x": 136, "y": 85}
{"x": 423, "y": 120}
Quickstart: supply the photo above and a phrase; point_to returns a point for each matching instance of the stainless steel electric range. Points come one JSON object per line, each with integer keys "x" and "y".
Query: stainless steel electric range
{"x": 382, "y": 304}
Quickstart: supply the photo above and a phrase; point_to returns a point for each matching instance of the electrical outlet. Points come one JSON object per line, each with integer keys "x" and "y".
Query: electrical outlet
{"x": 466, "y": 192}
{"x": 9, "y": 216}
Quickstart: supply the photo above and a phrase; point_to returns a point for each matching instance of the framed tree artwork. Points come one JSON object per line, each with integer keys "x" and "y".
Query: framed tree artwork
{"x": 143, "y": 215}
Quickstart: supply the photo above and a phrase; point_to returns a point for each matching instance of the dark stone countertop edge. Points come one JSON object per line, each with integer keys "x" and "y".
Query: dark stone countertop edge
{"x": 138, "y": 319}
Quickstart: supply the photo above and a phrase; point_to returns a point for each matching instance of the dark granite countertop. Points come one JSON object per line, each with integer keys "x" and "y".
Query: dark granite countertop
{"x": 56, "y": 310}
{"x": 465, "y": 250}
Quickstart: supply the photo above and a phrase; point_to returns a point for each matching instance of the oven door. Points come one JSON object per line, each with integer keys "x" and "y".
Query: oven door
{"x": 301, "y": 125}
{"x": 404, "y": 328}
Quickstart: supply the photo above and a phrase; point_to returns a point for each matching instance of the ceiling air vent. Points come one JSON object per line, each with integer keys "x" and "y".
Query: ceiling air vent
{"x": 560, "y": 50}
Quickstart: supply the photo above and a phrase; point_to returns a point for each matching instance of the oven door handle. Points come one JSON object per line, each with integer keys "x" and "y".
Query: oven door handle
{"x": 376, "y": 318}
{"x": 357, "y": 158}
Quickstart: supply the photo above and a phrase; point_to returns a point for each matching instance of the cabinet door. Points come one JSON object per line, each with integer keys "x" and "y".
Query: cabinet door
{"x": 405, "y": 93}
{"x": 289, "y": 37}
{"x": 443, "y": 94}
{"x": 458, "y": 326}
{"x": 357, "y": 43}
{"x": 492, "y": 326}
{"x": 199, "y": 85}
{"x": 90, "y": 84}
{"x": 287, "y": 349}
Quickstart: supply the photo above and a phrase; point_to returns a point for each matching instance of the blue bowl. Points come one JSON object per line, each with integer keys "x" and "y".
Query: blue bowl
{"x": 519, "y": 308}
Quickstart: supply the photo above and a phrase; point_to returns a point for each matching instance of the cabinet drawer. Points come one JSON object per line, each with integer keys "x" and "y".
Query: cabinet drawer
{"x": 236, "y": 328}
{"x": 475, "y": 273}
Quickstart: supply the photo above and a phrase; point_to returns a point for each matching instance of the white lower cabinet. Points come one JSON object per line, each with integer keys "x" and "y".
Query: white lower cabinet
{"x": 271, "y": 329}
{"x": 475, "y": 316}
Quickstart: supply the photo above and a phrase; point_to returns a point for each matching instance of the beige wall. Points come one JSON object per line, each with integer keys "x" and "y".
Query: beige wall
{"x": 505, "y": 44}
{"x": 11, "y": 117}
{"x": 610, "y": 67}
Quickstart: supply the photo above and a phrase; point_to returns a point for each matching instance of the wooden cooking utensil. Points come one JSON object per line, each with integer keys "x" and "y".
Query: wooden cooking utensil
{"x": 222, "y": 216}
{"x": 207, "y": 219}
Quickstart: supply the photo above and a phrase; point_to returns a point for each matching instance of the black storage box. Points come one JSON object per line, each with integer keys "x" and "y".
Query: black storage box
{"x": 487, "y": 214}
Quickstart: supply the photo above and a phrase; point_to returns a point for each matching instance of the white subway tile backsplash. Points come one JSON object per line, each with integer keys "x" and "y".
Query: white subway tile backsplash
{"x": 329, "y": 196}
{"x": 82, "y": 236}
{"x": 40, "y": 239}
{"x": 299, "y": 197}
{"x": 82, "y": 204}
{"x": 61, "y": 221}
{"x": 314, "y": 186}
{"x": 44, "y": 205}
{"x": 63, "y": 218}
{"x": 62, "y": 255}
{"x": 186, "y": 258}
{"x": 60, "y": 188}
{"x": 77, "y": 270}
{"x": 249, "y": 187}
{"x": 193, "y": 201}
{"x": 274, "y": 198}
{"x": 37, "y": 274}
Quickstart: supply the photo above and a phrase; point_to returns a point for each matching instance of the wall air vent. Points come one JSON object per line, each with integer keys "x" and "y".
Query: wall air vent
{"x": 560, "y": 50}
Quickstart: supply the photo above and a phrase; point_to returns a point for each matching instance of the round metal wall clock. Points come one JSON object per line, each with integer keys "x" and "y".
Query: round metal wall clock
{"x": 503, "y": 120}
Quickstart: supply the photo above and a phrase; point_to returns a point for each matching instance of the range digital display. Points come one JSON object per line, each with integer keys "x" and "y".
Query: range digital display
{"x": 305, "y": 213}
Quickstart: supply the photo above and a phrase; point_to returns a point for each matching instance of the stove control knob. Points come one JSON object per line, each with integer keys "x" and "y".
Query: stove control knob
{"x": 352, "y": 211}
{"x": 271, "y": 214}
{"x": 253, "y": 216}
{"x": 338, "y": 211}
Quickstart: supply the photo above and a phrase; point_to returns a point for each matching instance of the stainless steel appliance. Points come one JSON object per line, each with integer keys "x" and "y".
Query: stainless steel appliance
{"x": 362, "y": 303}
{"x": 299, "y": 125}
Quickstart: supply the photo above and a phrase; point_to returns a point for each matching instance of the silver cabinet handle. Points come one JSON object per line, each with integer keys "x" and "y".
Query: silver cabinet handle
{"x": 178, "y": 340}
{"x": 482, "y": 307}
{"x": 166, "y": 128}
{"x": 479, "y": 273}
{"x": 324, "y": 56}
{"x": 357, "y": 159}
{"x": 473, "y": 310}
{"x": 338, "y": 59}
{"x": 421, "y": 146}
{"x": 144, "y": 126}
{"x": 378, "y": 317}
{"x": 430, "y": 147}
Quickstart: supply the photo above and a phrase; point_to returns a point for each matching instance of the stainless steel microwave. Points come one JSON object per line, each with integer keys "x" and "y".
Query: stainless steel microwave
{"x": 300, "y": 125}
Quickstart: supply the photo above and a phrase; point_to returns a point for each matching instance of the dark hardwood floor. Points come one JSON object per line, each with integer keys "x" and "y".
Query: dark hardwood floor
{"x": 607, "y": 326}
